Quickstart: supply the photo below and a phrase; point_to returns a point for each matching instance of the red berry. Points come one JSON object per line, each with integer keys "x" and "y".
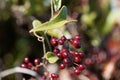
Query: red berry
{"x": 62, "y": 66}
{"x": 76, "y": 44}
{"x": 88, "y": 61}
{"x": 56, "y": 51}
{"x": 60, "y": 55}
{"x": 81, "y": 54}
{"x": 71, "y": 41}
{"x": 63, "y": 38}
{"x": 60, "y": 42}
{"x": 26, "y": 60}
{"x": 36, "y": 61}
{"x": 23, "y": 66}
{"x": 77, "y": 59}
{"x": 75, "y": 53}
{"x": 29, "y": 65}
{"x": 64, "y": 50}
{"x": 65, "y": 54}
{"x": 44, "y": 77}
{"x": 81, "y": 67}
{"x": 51, "y": 78}
{"x": 53, "y": 75}
{"x": 77, "y": 37}
{"x": 35, "y": 69}
{"x": 77, "y": 71}
{"x": 53, "y": 42}
{"x": 66, "y": 61}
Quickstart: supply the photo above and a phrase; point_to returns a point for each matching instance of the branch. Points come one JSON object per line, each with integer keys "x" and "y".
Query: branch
{"x": 18, "y": 70}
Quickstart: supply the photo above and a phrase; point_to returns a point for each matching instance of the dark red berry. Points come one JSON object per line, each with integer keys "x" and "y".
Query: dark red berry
{"x": 77, "y": 59}
{"x": 62, "y": 66}
{"x": 71, "y": 41}
{"x": 66, "y": 60}
{"x": 23, "y": 66}
{"x": 35, "y": 69}
{"x": 60, "y": 55}
{"x": 77, "y": 37}
{"x": 63, "y": 38}
{"x": 76, "y": 44}
{"x": 88, "y": 61}
{"x": 53, "y": 75}
{"x": 77, "y": 71}
{"x": 65, "y": 54}
{"x": 51, "y": 78}
{"x": 26, "y": 60}
{"x": 29, "y": 65}
{"x": 64, "y": 50}
{"x": 36, "y": 61}
{"x": 81, "y": 54}
{"x": 53, "y": 42}
{"x": 75, "y": 54}
{"x": 44, "y": 77}
{"x": 81, "y": 67}
{"x": 56, "y": 51}
{"x": 60, "y": 42}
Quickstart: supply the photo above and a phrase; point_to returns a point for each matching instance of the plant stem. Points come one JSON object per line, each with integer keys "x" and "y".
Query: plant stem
{"x": 51, "y": 8}
{"x": 48, "y": 42}
{"x": 44, "y": 49}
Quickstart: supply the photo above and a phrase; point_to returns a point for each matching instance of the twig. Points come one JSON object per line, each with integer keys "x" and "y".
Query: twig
{"x": 18, "y": 70}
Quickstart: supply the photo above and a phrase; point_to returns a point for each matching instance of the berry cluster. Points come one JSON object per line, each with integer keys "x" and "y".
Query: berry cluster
{"x": 30, "y": 65}
{"x": 67, "y": 56}
{"x": 34, "y": 66}
{"x": 74, "y": 41}
{"x": 53, "y": 76}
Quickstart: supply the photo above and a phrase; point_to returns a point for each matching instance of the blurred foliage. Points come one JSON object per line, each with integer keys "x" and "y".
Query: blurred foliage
{"x": 97, "y": 20}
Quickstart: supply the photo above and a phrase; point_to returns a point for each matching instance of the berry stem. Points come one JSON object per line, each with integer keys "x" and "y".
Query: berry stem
{"x": 48, "y": 42}
{"x": 75, "y": 64}
{"x": 47, "y": 72}
{"x": 44, "y": 49}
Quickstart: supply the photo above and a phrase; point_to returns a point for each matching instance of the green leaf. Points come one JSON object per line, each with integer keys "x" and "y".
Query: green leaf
{"x": 56, "y": 22}
{"x": 57, "y": 4}
{"x": 35, "y": 23}
{"x": 62, "y": 14}
{"x": 49, "y": 26}
{"x": 55, "y": 33}
{"x": 51, "y": 57}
